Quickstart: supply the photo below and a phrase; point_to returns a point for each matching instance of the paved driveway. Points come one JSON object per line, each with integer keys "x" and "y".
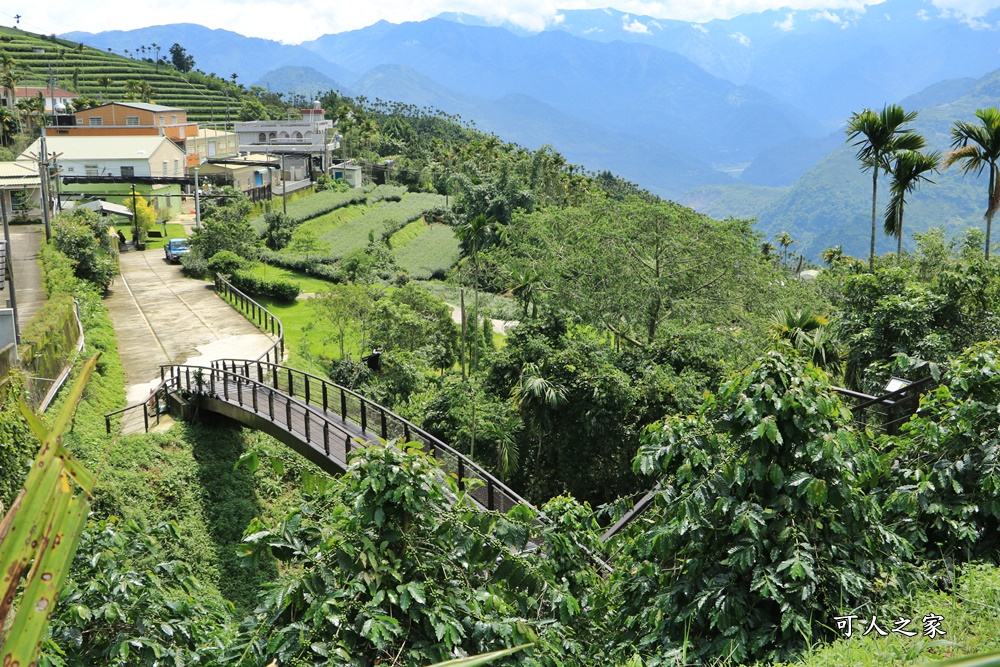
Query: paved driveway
{"x": 161, "y": 317}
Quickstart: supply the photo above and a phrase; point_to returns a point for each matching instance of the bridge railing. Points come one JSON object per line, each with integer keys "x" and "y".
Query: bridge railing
{"x": 888, "y": 412}
{"x": 376, "y": 420}
{"x": 263, "y": 318}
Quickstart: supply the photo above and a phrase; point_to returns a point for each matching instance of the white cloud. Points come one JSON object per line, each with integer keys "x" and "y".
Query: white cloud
{"x": 557, "y": 19}
{"x": 923, "y": 16}
{"x": 787, "y": 24}
{"x": 634, "y": 26}
{"x": 741, "y": 38}
{"x": 592, "y": 30}
{"x": 295, "y": 21}
{"x": 700, "y": 28}
{"x": 826, "y": 15}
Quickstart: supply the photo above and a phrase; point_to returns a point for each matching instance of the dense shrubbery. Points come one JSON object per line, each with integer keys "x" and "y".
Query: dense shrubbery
{"x": 226, "y": 263}
{"x": 85, "y": 238}
{"x": 282, "y": 290}
{"x": 763, "y": 510}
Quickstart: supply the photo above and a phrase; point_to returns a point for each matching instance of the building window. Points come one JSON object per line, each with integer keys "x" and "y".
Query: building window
{"x": 90, "y": 169}
{"x": 128, "y": 172}
{"x": 177, "y": 167}
{"x": 79, "y": 121}
{"x": 164, "y": 167}
{"x": 131, "y": 120}
{"x": 96, "y": 121}
{"x": 163, "y": 121}
{"x": 69, "y": 169}
{"x": 262, "y": 138}
{"x": 173, "y": 120}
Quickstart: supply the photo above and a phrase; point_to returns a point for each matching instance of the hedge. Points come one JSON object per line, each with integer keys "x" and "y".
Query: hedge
{"x": 282, "y": 290}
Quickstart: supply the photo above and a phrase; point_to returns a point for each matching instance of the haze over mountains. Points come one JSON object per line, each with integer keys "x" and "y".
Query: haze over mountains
{"x": 757, "y": 100}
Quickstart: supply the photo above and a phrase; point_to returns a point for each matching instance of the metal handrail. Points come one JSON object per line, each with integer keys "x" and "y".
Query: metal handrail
{"x": 315, "y": 390}
{"x": 233, "y": 296}
{"x": 255, "y": 313}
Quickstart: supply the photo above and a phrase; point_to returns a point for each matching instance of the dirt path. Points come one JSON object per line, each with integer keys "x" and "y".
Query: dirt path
{"x": 160, "y": 317}
{"x": 499, "y": 326}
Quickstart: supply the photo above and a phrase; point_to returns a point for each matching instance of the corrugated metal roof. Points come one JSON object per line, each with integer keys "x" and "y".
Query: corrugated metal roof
{"x": 21, "y": 174}
{"x": 78, "y": 148}
{"x": 145, "y": 106}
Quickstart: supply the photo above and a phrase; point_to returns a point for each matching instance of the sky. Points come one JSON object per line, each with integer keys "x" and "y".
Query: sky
{"x": 295, "y": 21}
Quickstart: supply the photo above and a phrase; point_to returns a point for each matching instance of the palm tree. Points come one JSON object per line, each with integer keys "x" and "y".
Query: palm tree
{"x": 7, "y": 124}
{"x": 536, "y": 399}
{"x": 831, "y": 256}
{"x": 105, "y": 83}
{"x": 879, "y": 135}
{"x": 472, "y": 234}
{"x": 909, "y": 168}
{"x": 809, "y": 334}
{"x": 978, "y": 146}
{"x": 785, "y": 241}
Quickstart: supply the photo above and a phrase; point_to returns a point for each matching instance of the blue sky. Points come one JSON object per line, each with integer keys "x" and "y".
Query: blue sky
{"x": 295, "y": 21}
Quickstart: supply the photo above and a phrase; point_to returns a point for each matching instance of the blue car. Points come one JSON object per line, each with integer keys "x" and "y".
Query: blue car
{"x": 174, "y": 249}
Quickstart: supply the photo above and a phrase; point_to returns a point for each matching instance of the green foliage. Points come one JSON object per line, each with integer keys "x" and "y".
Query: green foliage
{"x": 945, "y": 487}
{"x": 431, "y": 253}
{"x": 319, "y": 204}
{"x": 49, "y": 340}
{"x": 194, "y": 264}
{"x": 384, "y": 568}
{"x": 84, "y": 237}
{"x": 225, "y": 227}
{"x": 278, "y": 229}
{"x": 383, "y": 220}
{"x": 888, "y": 318}
{"x": 126, "y": 604}
{"x": 764, "y": 525}
{"x": 17, "y": 447}
{"x": 227, "y": 263}
{"x": 282, "y": 290}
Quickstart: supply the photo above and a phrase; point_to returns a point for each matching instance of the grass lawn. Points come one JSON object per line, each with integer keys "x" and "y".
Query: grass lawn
{"x": 175, "y": 230}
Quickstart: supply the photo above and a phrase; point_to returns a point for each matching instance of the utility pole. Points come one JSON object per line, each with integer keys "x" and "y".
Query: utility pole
{"x": 197, "y": 202}
{"x": 135, "y": 220}
{"x": 43, "y": 172}
{"x": 4, "y": 195}
{"x": 284, "y": 185}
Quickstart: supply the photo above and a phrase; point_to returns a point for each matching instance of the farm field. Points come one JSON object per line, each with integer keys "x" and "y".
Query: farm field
{"x": 386, "y": 217}
{"x": 436, "y": 250}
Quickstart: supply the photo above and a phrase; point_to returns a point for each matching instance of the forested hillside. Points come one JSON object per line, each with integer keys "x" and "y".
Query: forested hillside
{"x": 586, "y": 342}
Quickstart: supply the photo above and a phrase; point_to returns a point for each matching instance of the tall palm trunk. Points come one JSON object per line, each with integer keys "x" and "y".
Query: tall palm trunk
{"x": 871, "y": 254}
{"x": 991, "y": 207}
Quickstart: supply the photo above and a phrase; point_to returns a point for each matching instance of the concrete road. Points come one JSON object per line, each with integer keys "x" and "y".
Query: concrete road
{"x": 25, "y": 241}
{"x": 161, "y": 317}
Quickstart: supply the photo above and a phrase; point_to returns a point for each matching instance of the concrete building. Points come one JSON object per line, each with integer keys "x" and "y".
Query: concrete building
{"x": 108, "y": 166}
{"x": 256, "y": 174}
{"x": 59, "y": 95}
{"x": 304, "y": 143}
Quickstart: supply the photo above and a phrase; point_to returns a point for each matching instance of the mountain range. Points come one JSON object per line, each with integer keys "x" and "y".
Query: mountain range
{"x": 735, "y": 115}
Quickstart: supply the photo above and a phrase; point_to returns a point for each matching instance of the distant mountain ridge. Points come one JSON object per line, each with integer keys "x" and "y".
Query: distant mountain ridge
{"x": 756, "y": 100}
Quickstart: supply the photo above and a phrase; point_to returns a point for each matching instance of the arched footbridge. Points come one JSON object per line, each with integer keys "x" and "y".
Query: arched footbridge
{"x": 319, "y": 419}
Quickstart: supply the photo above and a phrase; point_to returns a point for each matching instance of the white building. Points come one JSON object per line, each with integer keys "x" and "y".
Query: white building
{"x": 142, "y": 156}
{"x": 304, "y": 143}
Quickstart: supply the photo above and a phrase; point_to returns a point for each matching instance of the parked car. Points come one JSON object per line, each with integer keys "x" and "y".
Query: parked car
{"x": 175, "y": 248}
